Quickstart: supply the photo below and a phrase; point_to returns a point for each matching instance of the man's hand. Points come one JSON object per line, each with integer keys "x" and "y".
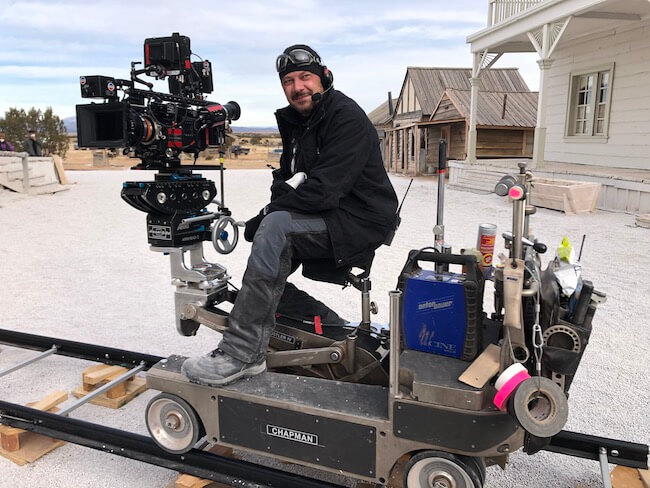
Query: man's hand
{"x": 253, "y": 224}
{"x": 279, "y": 188}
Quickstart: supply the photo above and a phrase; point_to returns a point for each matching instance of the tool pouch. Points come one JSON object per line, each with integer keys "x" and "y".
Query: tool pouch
{"x": 564, "y": 340}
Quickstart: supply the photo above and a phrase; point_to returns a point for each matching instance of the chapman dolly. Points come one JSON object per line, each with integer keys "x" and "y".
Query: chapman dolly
{"x": 445, "y": 386}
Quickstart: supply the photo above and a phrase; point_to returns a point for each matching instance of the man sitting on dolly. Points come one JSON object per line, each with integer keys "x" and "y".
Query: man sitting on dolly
{"x": 332, "y": 205}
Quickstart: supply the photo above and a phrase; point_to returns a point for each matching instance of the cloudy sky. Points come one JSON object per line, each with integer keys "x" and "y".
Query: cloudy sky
{"x": 46, "y": 46}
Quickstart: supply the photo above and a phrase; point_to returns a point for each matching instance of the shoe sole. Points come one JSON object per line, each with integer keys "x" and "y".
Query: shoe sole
{"x": 245, "y": 373}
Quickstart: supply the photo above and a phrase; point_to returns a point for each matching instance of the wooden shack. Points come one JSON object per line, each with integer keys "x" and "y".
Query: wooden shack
{"x": 434, "y": 104}
{"x": 505, "y": 124}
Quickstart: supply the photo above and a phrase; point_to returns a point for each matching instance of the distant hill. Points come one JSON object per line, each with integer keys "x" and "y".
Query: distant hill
{"x": 71, "y": 127}
{"x": 254, "y": 130}
{"x": 70, "y": 124}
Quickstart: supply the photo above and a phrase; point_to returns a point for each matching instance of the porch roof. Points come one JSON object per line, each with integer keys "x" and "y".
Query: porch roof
{"x": 587, "y": 17}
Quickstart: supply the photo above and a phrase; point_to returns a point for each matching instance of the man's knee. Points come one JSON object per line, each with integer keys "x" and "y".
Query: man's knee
{"x": 275, "y": 223}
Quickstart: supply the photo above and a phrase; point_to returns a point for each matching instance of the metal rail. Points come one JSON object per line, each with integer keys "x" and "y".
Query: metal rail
{"x": 206, "y": 465}
{"x": 80, "y": 350}
{"x": 585, "y": 446}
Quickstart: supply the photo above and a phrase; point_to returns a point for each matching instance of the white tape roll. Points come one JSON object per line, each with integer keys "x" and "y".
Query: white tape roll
{"x": 508, "y": 374}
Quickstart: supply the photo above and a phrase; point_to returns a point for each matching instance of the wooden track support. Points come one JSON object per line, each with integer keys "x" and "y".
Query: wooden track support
{"x": 189, "y": 481}
{"x": 623, "y": 477}
{"x": 98, "y": 375}
{"x": 23, "y": 447}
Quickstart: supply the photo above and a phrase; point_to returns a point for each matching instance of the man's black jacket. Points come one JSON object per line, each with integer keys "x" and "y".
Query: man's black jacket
{"x": 347, "y": 185}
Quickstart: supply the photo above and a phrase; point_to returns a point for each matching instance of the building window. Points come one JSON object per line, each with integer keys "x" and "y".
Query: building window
{"x": 589, "y": 102}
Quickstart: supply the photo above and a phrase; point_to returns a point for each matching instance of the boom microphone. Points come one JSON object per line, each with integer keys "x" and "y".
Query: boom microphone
{"x": 316, "y": 97}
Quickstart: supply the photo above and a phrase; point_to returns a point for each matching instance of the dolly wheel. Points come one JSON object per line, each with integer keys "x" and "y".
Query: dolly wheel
{"x": 436, "y": 469}
{"x": 172, "y": 423}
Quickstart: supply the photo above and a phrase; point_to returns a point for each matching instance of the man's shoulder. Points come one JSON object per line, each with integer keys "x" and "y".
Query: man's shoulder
{"x": 343, "y": 104}
{"x": 340, "y": 99}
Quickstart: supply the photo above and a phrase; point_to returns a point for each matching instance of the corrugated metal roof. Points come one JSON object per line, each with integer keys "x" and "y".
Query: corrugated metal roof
{"x": 380, "y": 115}
{"x": 521, "y": 107}
{"x": 430, "y": 83}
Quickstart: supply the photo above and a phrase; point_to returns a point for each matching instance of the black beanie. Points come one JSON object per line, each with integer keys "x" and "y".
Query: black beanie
{"x": 313, "y": 67}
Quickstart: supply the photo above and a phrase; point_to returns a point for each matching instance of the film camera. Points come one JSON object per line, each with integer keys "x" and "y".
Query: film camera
{"x": 157, "y": 128}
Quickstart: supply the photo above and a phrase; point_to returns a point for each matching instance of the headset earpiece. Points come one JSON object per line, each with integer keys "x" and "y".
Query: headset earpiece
{"x": 329, "y": 77}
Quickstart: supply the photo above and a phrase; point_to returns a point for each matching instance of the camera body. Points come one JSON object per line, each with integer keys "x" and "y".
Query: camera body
{"x": 152, "y": 126}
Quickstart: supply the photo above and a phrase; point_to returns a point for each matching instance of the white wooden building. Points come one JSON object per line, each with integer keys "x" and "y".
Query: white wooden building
{"x": 593, "y": 115}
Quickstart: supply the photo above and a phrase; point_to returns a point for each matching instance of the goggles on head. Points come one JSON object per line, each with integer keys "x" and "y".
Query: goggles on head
{"x": 298, "y": 57}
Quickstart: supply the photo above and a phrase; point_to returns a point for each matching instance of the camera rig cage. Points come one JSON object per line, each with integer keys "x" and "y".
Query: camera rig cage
{"x": 157, "y": 128}
{"x": 152, "y": 126}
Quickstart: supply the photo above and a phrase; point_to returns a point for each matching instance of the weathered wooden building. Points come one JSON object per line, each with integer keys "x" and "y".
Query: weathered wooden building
{"x": 434, "y": 104}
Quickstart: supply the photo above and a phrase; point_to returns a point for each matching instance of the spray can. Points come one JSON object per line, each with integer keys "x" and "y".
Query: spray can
{"x": 487, "y": 234}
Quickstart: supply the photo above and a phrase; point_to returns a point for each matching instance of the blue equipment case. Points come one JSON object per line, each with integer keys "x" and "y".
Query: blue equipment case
{"x": 442, "y": 312}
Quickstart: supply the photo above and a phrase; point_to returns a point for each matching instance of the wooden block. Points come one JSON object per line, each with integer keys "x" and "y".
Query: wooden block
{"x": 89, "y": 370}
{"x": 33, "y": 446}
{"x": 623, "y": 477}
{"x": 645, "y": 477}
{"x": 50, "y": 401}
{"x": 133, "y": 389}
{"x": 189, "y": 481}
{"x": 21, "y": 446}
{"x": 11, "y": 438}
{"x": 118, "y": 390}
{"x": 58, "y": 165}
{"x": 97, "y": 375}
{"x": 483, "y": 368}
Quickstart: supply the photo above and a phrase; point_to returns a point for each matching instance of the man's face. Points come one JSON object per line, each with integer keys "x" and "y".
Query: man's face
{"x": 298, "y": 87}
{"x": 32, "y": 135}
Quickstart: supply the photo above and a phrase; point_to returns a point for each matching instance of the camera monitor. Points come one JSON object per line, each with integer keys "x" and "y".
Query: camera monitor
{"x": 173, "y": 52}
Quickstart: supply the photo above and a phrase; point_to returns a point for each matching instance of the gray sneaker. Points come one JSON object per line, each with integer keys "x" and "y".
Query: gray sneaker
{"x": 218, "y": 369}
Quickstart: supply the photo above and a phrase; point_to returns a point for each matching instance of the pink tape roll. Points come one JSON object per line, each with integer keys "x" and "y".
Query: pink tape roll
{"x": 506, "y": 390}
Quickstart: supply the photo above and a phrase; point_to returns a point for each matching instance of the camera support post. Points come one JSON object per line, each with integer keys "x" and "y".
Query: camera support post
{"x": 197, "y": 286}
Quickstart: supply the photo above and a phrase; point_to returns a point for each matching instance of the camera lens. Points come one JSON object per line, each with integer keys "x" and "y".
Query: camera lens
{"x": 233, "y": 109}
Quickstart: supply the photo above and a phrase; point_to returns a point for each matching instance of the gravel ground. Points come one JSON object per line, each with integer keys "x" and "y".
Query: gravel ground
{"x": 76, "y": 265}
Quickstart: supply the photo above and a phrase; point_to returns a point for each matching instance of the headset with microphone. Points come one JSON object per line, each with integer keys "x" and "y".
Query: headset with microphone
{"x": 329, "y": 81}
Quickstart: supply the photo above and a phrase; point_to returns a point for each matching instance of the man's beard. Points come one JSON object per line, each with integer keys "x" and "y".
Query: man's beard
{"x": 303, "y": 110}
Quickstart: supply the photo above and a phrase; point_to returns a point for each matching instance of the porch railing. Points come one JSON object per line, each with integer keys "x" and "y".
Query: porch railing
{"x": 500, "y": 10}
